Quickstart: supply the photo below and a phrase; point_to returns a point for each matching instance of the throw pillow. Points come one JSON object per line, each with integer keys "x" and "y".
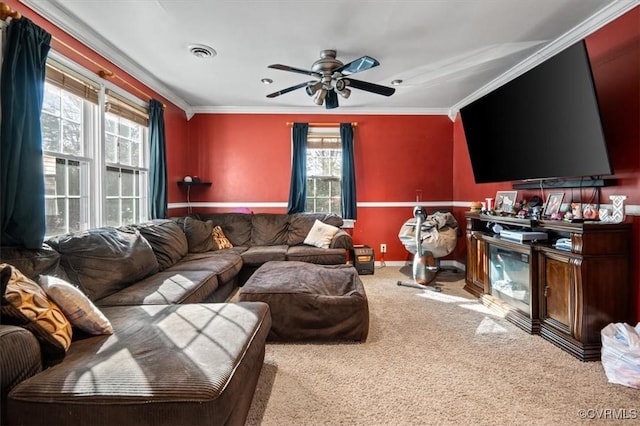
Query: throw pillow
{"x": 25, "y": 304}
{"x": 198, "y": 235}
{"x": 77, "y": 307}
{"x": 321, "y": 234}
{"x": 220, "y": 240}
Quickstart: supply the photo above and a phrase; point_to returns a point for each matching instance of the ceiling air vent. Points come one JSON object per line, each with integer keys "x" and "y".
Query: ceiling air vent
{"x": 201, "y": 51}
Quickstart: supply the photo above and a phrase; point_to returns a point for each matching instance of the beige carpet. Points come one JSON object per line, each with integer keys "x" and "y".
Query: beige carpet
{"x": 433, "y": 358}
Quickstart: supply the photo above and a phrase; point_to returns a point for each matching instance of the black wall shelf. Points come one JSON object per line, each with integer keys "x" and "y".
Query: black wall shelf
{"x": 577, "y": 183}
{"x": 183, "y": 183}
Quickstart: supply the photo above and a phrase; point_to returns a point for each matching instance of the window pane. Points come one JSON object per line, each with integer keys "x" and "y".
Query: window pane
{"x": 127, "y": 182}
{"x": 74, "y": 178}
{"x": 336, "y": 190}
{"x": 336, "y": 206}
{"x": 322, "y": 188}
{"x": 75, "y": 223}
{"x": 50, "y": 132}
{"x": 71, "y": 138}
{"x": 124, "y": 151}
{"x": 55, "y": 211}
{"x": 61, "y": 177}
{"x": 113, "y": 212}
{"x": 135, "y": 154}
{"x": 71, "y": 107}
{"x": 51, "y": 100}
{"x": 128, "y": 210}
{"x": 111, "y": 148}
{"x": 111, "y": 124}
{"x": 322, "y": 205}
{"x": 309, "y": 206}
{"x": 113, "y": 182}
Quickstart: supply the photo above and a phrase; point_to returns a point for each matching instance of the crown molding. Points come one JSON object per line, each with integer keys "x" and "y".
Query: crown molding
{"x": 317, "y": 110}
{"x": 63, "y": 19}
{"x": 606, "y": 15}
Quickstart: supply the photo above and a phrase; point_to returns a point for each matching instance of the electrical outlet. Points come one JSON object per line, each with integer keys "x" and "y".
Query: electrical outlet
{"x": 383, "y": 248}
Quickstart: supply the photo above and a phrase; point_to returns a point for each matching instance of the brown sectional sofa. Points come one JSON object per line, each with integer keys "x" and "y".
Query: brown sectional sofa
{"x": 180, "y": 353}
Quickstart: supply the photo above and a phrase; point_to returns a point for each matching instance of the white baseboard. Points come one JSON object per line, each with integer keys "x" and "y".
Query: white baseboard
{"x": 444, "y": 263}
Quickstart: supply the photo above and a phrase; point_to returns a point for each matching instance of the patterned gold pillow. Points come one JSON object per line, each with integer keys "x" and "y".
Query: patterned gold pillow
{"x": 220, "y": 240}
{"x": 24, "y": 303}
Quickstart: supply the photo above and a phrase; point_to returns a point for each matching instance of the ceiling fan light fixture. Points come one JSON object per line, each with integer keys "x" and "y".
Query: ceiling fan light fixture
{"x": 320, "y": 95}
{"x": 202, "y": 51}
{"x": 312, "y": 89}
{"x": 345, "y": 93}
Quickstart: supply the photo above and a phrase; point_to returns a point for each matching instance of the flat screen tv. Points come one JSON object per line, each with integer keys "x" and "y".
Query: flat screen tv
{"x": 544, "y": 124}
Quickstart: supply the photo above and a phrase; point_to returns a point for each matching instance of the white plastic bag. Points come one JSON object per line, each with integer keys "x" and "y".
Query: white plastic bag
{"x": 621, "y": 354}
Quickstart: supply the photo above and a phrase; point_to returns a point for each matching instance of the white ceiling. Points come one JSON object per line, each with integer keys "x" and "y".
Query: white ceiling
{"x": 447, "y": 52}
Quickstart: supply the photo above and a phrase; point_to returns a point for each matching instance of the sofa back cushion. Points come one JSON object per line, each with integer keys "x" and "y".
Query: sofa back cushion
{"x": 301, "y": 223}
{"x": 167, "y": 239}
{"x": 31, "y": 262}
{"x": 235, "y": 226}
{"x": 102, "y": 261}
{"x": 269, "y": 229}
{"x": 199, "y": 235}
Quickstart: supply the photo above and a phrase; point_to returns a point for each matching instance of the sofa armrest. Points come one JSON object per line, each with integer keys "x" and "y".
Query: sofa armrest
{"x": 341, "y": 240}
{"x": 19, "y": 359}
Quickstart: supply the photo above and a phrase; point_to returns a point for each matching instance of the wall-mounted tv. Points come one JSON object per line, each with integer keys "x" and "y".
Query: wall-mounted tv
{"x": 543, "y": 124}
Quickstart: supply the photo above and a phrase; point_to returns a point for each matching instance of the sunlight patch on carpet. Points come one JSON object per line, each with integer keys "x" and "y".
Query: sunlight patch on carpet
{"x": 489, "y": 326}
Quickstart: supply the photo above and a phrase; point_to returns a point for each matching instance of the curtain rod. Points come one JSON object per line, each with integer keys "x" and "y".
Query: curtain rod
{"x": 354, "y": 124}
{"x": 7, "y": 12}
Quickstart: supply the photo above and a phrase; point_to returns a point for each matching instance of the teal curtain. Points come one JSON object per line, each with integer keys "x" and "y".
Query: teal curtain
{"x": 158, "y": 161}
{"x": 22, "y": 205}
{"x": 349, "y": 203}
{"x": 298, "y": 188}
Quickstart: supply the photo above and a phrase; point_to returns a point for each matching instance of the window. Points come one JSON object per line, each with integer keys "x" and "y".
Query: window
{"x": 324, "y": 171}
{"x": 87, "y": 183}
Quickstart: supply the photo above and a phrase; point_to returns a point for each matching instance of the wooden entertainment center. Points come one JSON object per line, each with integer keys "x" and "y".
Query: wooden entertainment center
{"x": 565, "y": 296}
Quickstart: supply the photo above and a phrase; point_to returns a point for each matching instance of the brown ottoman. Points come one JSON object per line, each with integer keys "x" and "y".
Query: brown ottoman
{"x": 309, "y": 301}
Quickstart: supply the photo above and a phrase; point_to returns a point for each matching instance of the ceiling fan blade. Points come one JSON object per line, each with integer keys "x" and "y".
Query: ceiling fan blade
{"x": 289, "y": 89}
{"x": 369, "y": 87}
{"x": 360, "y": 64}
{"x": 293, "y": 69}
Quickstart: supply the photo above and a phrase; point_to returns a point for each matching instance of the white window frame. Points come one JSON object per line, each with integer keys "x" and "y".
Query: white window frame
{"x": 313, "y": 136}
{"x": 94, "y": 187}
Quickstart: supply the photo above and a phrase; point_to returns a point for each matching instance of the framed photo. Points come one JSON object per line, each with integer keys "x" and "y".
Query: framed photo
{"x": 505, "y": 200}
{"x": 553, "y": 204}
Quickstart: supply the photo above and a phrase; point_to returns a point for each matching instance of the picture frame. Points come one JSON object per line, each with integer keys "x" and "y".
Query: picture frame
{"x": 506, "y": 200}
{"x": 553, "y": 204}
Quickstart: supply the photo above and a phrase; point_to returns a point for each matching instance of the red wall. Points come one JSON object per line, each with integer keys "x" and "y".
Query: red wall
{"x": 248, "y": 159}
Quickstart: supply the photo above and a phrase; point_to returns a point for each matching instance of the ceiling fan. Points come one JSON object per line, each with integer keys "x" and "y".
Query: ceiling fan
{"x": 333, "y": 78}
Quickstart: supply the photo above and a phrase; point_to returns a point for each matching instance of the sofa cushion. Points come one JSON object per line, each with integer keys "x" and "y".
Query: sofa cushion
{"x": 301, "y": 223}
{"x": 199, "y": 235}
{"x": 321, "y": 234}
{"x": 77, "y": 307}
{"x": 103, "y": 261}
{"x": 19, "y": 360}
{"x": 269, "y": 229}
{"x": 25, "y": 304}
{"x": 194, "y": 364}
{"x": 257, "y": 255}
{"x": 31, "y": 262}
{"x": 226, "y": 264}
{"x": 319, "y": 256}
{"x": 167, "y": 239}
{"x": 164, "y": 288}
{"x": 236, "y": 226}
